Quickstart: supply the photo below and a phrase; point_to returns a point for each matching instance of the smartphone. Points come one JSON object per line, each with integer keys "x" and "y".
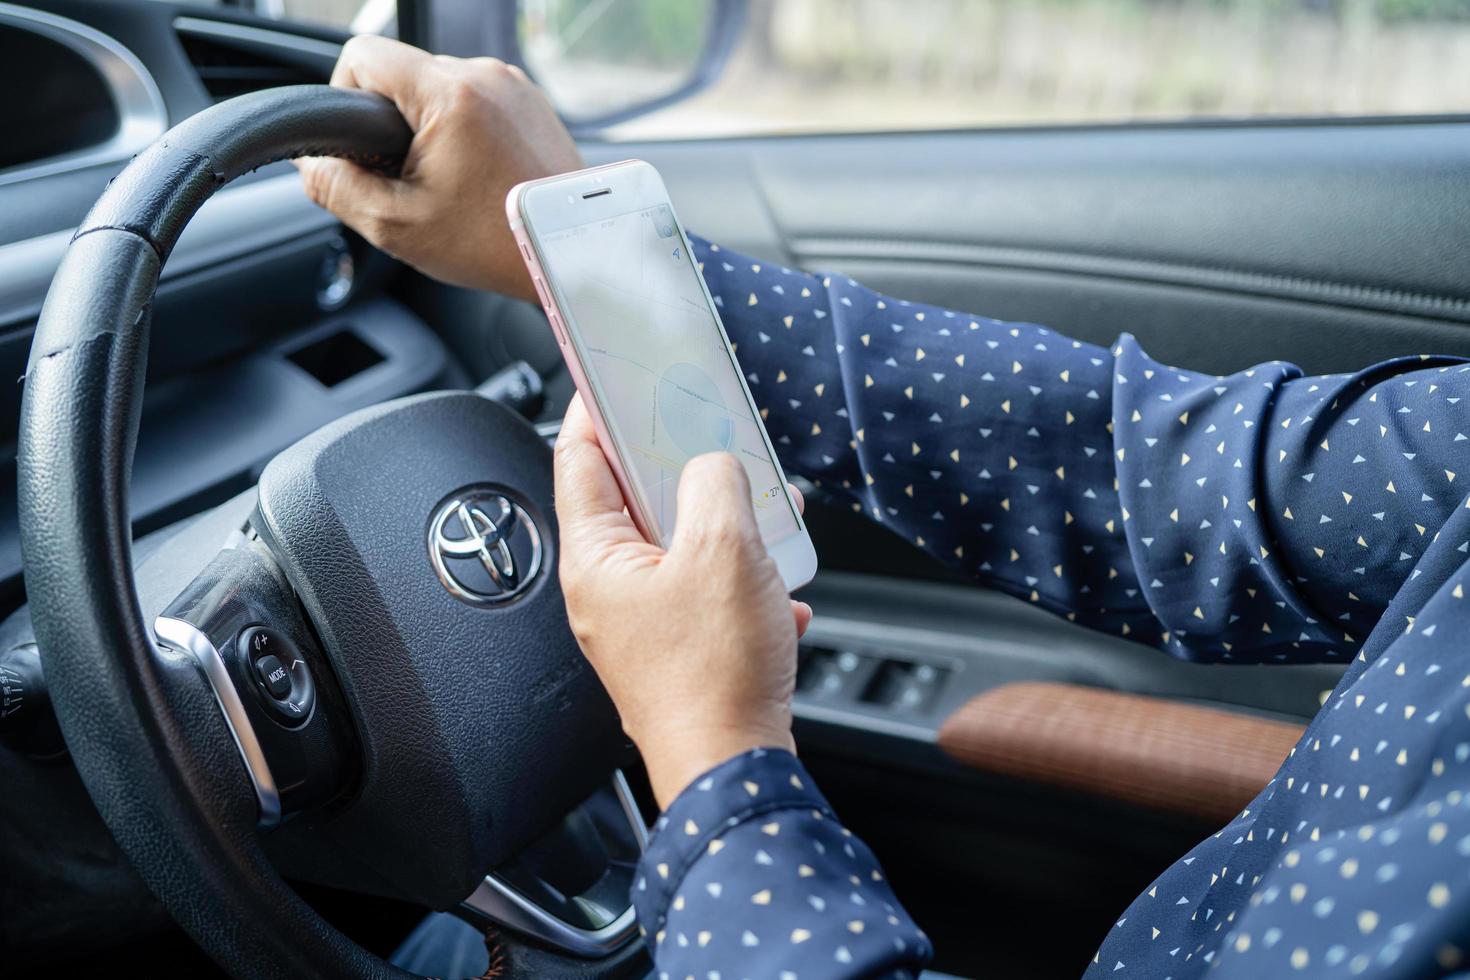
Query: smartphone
{"x": 643, "y": 341}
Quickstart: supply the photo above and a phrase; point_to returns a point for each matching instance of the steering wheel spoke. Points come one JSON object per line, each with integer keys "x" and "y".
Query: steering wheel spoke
{"x": 570, "y": 889}
{"x": 241, "y": 625}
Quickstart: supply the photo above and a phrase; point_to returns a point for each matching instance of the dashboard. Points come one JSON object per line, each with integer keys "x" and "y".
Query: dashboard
{"x": 271, "y": 319}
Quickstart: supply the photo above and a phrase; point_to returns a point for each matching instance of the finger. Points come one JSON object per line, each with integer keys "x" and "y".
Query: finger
{"x": 586, "y": 490}
{"x": 796, "y": 495}
{"x": 803, "y": 614}
{"x": 714, "y": 506}
{"x": 362, "y": 199}
{"x": 388, "y": 67}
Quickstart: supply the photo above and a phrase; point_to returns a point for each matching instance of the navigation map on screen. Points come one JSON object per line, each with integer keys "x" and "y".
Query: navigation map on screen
{"x": 652, "y": 349}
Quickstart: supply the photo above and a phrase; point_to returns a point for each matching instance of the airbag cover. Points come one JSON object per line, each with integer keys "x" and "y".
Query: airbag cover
{"x": 481, "y": 724}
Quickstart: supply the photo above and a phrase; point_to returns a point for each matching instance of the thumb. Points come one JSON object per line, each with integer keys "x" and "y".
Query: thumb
{"x": 366, "y": 202}
{"x": 714, "y": 508}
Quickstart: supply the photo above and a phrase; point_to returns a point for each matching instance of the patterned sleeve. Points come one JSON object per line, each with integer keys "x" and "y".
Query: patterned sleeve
{"x": 750, "y": 874}
{"x": 1260, "y": 517}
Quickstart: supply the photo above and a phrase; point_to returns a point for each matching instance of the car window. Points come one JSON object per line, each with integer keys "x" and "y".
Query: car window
{"x": 861, "y": 65}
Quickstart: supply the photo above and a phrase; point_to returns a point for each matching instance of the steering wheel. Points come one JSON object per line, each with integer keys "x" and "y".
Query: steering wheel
{"x": 374, "y": 687}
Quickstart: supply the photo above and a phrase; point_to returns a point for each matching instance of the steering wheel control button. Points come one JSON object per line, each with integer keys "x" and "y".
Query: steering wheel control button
{"x": 279, "y": 674}
{"x": 274, "y": 676}
{"x": 27, "y": 722}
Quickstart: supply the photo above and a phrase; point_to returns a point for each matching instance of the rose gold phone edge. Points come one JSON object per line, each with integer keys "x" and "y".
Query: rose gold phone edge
{"x": 794, "y": 553}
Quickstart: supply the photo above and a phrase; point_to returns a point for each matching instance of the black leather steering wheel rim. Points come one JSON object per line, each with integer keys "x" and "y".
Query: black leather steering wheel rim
{"x": 176, "y": 809}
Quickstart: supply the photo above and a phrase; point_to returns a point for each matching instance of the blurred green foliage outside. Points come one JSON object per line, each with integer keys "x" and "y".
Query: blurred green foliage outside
{"x": 655, "y": 33}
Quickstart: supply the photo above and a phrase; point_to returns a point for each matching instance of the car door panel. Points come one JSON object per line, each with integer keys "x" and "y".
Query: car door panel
{"x": 1188, "y": 236}
{"x": 1332, "y": 246}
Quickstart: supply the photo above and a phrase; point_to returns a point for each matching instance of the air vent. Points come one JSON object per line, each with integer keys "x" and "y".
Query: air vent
{"x": 233, "y": 59}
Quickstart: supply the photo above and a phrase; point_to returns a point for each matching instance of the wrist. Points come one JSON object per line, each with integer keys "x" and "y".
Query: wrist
{"x": 677, "y": 758}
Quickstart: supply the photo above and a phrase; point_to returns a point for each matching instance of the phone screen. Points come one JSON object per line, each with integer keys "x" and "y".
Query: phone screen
{"x": 653, "y": 350}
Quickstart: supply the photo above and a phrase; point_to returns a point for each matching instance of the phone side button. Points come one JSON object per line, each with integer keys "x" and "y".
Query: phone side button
{"x": 556, "y": 328}
{"x": 541, "y": 290}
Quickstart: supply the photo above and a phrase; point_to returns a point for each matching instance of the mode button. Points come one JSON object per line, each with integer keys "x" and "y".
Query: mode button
{"x": 274, "y": 675}
{"x": 278, "y": 673}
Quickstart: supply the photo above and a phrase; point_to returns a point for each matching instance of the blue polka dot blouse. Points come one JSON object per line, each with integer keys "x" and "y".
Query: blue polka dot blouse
{"x": 1263, "y": 517}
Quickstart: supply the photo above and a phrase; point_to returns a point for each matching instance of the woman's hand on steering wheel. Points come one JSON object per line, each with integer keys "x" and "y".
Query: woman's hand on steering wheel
{"x": 480, "y": 127}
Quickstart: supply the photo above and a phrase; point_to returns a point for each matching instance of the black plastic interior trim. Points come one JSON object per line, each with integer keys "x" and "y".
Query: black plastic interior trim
{"x": 207, "y": 434}
{"x": 927, "y": 623}
{"x": 1378, "y": 209}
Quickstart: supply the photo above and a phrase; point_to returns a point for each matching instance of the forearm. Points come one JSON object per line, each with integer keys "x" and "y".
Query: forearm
{"x": 986, "y": 443}
{"x": 750, "y": 873}
{"x": 1252, "y": 517}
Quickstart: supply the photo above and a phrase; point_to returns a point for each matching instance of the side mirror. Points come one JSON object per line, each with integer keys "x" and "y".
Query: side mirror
{"x": 606, "y": 61}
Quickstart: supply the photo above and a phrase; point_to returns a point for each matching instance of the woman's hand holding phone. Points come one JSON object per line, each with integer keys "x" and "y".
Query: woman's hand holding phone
{"x": 480, "y": 127}
{"x": 696, "y": 644}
